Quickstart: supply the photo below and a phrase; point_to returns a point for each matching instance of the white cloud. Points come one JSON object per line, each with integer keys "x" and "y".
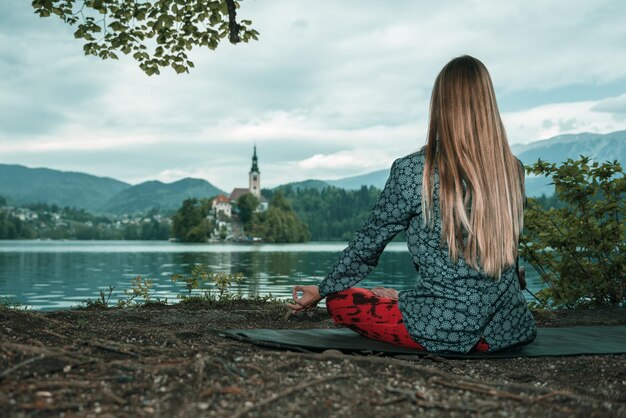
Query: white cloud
{"x": 83, "y": 141}
{"x": 545, "y": 121}
{"x": 345, "y": 160}
{"x": 616, "y": 106}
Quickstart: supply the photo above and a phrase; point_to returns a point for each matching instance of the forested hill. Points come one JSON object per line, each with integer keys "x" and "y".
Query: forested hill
{"x": 155, "y": 194}
{"x": 375, "y": 178}
{"x": 23, "y": 185}
{"x": 331, "y": 213}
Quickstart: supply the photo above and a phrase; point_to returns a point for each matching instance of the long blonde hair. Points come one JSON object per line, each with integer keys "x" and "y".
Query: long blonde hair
{"x": 481, "y": 188}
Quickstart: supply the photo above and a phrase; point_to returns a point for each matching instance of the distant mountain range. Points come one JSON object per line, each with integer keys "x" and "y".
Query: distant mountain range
{"x": 557, "y": 149}
{"x": 23, "y": 185}
{"x": 155, "y": 194}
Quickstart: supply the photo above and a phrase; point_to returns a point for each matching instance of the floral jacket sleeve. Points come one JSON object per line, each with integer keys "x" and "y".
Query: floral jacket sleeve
{"x": 395, "y": 207}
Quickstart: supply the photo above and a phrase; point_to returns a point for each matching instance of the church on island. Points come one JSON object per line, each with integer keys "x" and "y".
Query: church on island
{"x": 224, "y": 204}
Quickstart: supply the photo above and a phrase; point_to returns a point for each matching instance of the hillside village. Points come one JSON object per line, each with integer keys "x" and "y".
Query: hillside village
{"x": 44, "y": 221}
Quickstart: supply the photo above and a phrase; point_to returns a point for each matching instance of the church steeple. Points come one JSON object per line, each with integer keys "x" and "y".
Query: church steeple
{"x": 254, "y": 176}
{"x": 255, "y": 162}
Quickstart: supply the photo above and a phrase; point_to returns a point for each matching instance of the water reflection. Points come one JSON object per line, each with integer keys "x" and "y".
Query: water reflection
{"x": 53, "y": 275}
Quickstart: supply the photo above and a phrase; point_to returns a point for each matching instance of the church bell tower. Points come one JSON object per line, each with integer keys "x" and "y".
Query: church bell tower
{"x": 255, "y": 176}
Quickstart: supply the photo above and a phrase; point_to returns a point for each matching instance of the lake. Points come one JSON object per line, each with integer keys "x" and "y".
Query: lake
{"x": 48, "y": 275}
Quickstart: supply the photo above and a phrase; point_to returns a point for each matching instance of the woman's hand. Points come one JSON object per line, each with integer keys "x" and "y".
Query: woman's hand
{"x": 385, "y": 292}
{"x": 310, "y": 298}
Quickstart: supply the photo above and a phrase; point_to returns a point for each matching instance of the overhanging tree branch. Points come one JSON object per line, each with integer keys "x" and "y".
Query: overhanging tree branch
{"x": 233, "y": 26}
{"x": 157, "y": 34}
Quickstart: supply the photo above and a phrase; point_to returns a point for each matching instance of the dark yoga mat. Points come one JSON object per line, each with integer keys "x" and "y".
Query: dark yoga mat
{"x": 565, "y": 341}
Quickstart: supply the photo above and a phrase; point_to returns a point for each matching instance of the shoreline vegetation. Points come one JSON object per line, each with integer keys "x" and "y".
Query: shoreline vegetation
{"x": 330, "y": 214}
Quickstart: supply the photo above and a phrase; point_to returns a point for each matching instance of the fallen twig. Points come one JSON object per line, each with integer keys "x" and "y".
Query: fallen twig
{"x": 490, "y": 390}
{"x": 55, "y": 334}
{"x": 225, "y": 390}
{"x": 19, "y": 365}
{"x": 222, "y": 364}
{"x": 410, "y": 394}
{"x": 30, "y": 387}
{"x": 424, "y": 370}
{"x": 252, "y": 366}
{"x": 420, "y": 400}
{"x": 429, "y": 372}
{"x": 28, "y": 349}
{"x": 110, "y": 348}
{"x": 479, "y": 388}
{"x": 416, "y": 357}
{"x": 243, "y": 411}
{"x": 108, "y": 393}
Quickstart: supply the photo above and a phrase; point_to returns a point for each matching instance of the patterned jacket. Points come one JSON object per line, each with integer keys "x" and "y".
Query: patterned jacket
{"x": 452, "y": 305}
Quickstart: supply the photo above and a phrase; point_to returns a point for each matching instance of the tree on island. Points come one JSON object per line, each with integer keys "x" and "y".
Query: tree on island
{"x": 126, "y": 26}
{"x": 247, "y": 204}
{"x": 279, "y": 224}
{"x": 190, "y": 223}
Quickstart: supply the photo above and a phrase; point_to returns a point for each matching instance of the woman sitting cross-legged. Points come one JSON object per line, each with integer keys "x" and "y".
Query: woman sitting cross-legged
{"x": 460, "y": 201}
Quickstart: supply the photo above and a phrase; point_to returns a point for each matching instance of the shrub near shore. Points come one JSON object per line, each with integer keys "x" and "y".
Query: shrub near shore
{"x": 579, "y": 249}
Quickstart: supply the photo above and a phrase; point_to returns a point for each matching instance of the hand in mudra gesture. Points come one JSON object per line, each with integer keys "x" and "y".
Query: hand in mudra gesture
{"x": 385, "y": 292}
{"x": 309, "y": 300}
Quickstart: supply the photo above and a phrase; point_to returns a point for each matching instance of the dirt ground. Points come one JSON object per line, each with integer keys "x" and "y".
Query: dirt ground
{"x": 167, "y": 361}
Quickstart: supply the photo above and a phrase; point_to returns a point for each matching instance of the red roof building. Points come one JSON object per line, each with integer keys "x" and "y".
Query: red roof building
{"x": 222, "y": 204}
{"x": 237, "y": 192}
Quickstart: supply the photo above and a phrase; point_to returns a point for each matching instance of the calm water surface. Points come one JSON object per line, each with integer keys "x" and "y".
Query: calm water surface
{"x": 49, "y": 275}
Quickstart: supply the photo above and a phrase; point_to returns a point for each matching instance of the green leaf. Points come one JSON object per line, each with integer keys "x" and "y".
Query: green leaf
{"x": 117, "y": 27}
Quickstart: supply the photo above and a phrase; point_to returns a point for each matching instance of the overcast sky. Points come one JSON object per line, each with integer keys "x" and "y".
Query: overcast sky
{"x": 331, "y": 89}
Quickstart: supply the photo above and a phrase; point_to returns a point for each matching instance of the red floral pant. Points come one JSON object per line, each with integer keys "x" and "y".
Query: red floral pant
{"x": 374, "y": 317}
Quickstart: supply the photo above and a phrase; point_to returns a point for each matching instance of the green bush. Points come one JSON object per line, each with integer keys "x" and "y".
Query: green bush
{"x": 579, "y": 249}
{"x": 200, "y": 275}
{"x": 139, "y": 294}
